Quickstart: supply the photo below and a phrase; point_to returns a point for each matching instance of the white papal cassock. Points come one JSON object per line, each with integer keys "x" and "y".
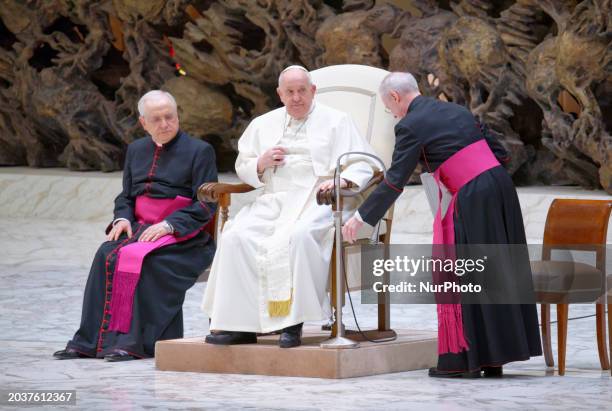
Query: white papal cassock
{"x": 272, "y": 262}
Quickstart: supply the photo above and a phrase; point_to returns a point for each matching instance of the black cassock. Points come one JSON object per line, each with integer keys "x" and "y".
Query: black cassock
{"x": 487, "y": 212}
{"x": 177, "y": 168}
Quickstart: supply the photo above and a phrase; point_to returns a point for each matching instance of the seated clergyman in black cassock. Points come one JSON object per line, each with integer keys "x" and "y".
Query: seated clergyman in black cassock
{"x": 156, "y": 246}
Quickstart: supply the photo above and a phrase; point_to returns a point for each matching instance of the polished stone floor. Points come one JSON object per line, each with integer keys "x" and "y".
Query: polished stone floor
{"x": 42, "y": 274}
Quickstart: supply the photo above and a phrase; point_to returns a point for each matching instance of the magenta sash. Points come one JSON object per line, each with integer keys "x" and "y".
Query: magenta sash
{"x": 458, "y": 170}
{"x": 130, "y": 257}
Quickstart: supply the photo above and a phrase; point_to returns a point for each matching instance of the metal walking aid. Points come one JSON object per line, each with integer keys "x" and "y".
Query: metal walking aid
{"x": 340, "y": 341}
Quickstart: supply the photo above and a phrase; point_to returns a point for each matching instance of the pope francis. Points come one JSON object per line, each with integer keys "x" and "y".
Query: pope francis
{"x": 271, "y": 267}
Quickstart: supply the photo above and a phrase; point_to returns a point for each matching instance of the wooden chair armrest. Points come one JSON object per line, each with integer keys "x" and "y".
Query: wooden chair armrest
{"x": 221, "y": 193}
{"x": 211, "y": 192}
{"x": 327, "y": 197}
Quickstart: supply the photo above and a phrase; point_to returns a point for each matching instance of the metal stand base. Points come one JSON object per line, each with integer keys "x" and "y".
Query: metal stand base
{"x": 339, "y": 342}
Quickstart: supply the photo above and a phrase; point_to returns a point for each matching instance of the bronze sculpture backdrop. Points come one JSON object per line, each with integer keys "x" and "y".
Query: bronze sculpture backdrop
{"x": 538, "y": 72}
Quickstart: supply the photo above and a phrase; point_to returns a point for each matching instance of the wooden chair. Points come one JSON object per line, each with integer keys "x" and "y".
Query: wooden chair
{"x": 354, "y": 90}
{"x": 578, "y": 225}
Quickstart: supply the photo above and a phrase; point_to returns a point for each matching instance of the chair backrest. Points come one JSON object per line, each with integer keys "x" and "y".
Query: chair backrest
{"x": 572, "y": 221}
{"x": 353, "y": 88}
{"x": 577, "y": 224}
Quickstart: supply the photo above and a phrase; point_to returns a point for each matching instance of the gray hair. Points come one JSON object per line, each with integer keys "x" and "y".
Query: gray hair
{"x": 295, "y": 67}
{"x": 154, "y": 95}
{"x": 402, "y": 83}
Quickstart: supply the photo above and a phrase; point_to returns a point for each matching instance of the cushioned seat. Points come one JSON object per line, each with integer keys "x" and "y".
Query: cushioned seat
{"x": 566, "y": 276}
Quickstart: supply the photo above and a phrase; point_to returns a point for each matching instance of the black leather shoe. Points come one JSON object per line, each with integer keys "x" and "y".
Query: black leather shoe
{"x": 291, "y": 336}
{"x": 435, "y": 373}
{"x": 68, "y": 354}
{"x": 493, "y": 372}
{"x": 119, "y": 355}
{"x": 231, "y": 338}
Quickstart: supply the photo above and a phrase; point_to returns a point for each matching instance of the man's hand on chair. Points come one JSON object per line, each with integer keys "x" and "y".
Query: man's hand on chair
{"x": 350, "y": 229}
{"x": 329, "y": 184}
{"x": 119, "y": 227}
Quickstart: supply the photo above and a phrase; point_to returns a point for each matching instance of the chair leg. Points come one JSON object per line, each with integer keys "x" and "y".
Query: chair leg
{"x": 610, "y": 331}
{"x": 384, "y": 299}
{"x": 546, "y": 342}
{"x": 562, "y": 313}
{"x": 332, "y": 293}
{"x": 600, "y": 318}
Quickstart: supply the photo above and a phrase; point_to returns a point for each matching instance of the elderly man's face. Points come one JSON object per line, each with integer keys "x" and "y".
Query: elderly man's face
{"x": 160, "y": 120}
{"x": 296, "y": 93}
{"x": 395, "y": 104}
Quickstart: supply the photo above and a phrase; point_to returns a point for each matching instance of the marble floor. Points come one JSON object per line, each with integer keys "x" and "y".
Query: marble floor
{"x": 42, "y": 274}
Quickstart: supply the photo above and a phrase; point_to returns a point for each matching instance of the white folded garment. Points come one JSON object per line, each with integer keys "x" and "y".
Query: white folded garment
{"x": 432, "y": 191}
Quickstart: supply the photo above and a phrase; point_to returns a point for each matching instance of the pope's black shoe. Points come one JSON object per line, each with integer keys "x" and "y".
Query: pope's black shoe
{"x": 291, "y": 336}
{"x": 231, "y": 338}
{"x": 435, "y": 373}
{"x": 493, "y": 372}
{"x": 68, "y": 354}
{"x": 119, "y": 355}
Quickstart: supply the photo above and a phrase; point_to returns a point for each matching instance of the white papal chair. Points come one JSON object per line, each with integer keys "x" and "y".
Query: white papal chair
{"x": 353, "y": 89}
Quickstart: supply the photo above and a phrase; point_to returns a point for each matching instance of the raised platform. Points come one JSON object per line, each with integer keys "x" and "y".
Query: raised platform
{"x": 412, "y": 350}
